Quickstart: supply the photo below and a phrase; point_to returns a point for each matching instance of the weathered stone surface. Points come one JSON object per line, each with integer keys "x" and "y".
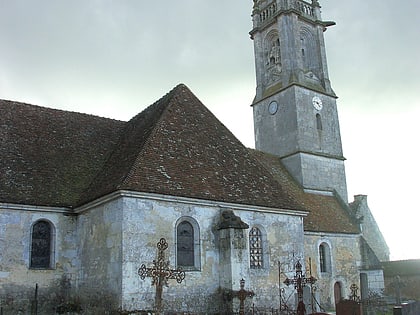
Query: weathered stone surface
{"x": 344, "y": 266}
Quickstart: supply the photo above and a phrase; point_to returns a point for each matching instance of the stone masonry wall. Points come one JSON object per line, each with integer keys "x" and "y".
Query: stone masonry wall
{"x": 370, "y": 228}
{"x": 17, "y": 280}
{"x": 344, "y": 264}
{"x": 146, "y": 221}
{"x": 100, "y": 251}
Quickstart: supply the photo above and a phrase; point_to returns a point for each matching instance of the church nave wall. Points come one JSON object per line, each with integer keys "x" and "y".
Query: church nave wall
{"x": 37, "y": 254}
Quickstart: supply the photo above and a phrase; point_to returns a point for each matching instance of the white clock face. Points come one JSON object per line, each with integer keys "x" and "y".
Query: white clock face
{"x": 272, "y": 107}
{"x": 317, "y": 102}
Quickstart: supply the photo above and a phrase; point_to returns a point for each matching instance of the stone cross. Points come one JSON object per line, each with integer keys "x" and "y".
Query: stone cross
{"x": 160, "y": 273}
{"x": 299, "y": 281}
{"x": 242, "y": 294}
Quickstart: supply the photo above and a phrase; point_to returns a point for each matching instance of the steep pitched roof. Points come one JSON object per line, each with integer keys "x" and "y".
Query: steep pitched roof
{"x": 175, "y": 147}
{"x": 47, "y": 156}
{"x": 178, "y": 147}
{"x": 326, "y": 213}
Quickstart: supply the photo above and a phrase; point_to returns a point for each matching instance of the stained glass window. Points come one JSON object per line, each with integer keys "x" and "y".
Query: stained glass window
{"x": 255, "y": 248}
{"x": 185, "y": 244}
{"x": 41, "y": 245}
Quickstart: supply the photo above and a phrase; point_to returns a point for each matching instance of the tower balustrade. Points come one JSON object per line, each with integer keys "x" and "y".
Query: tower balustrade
{"x": 265, "y": 10}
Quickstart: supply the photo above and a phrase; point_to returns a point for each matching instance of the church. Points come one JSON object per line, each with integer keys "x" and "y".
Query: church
{"x": 89, "y": 206}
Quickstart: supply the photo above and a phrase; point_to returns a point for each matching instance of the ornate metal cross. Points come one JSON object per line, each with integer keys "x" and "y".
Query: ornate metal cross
{"x": 299, "y": 281}
{"x": 160, "y": 273}
{"x": 242, "y": 294}
{"x": 354, "y": 296}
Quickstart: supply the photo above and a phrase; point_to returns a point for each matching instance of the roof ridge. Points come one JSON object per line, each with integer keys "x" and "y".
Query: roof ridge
{"x": 166, "y": 99}
{"x": 139, "y": 129}
{"x": 56, "y": 110}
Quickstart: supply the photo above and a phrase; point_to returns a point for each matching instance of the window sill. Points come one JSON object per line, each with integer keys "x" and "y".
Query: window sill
{"x": 41, "y": 268}
{"x": 189, "y": 268}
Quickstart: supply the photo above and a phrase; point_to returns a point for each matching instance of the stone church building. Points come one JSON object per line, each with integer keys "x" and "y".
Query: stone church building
{"x": 84, "y": 200}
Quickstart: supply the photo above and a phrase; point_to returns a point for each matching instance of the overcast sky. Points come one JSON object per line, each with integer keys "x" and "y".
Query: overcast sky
{"x": 113, "y": 58}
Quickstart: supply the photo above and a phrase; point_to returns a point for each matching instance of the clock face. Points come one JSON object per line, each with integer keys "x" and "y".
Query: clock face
{"x": 272, "y": 107}
{"x": 317, "y": 102}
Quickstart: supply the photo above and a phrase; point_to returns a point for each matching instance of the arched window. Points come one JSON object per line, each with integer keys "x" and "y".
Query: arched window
{"x": 187, "y": 244}
{"x": 42, "y": 245}
{"x": 256, "y": 253}
{"x": 324, "y": 258}
{"x": 318, "y": 122}
{"x": 309, "y": 53}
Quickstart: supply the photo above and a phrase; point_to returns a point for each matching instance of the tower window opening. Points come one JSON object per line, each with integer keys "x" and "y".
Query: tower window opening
{"x": 302, "y": 42}
{"x": 318, "y": 122}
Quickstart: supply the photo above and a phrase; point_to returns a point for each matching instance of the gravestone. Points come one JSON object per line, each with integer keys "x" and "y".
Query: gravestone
{"x": 349, "y": 307}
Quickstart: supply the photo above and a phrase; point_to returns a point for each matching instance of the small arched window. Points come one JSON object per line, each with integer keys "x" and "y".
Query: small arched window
{"x": 185, "y": 244}
{"x": 318, "y": 122}
{"x": 324, "y": 258}
{"x": 42, "y": 245}
{"x": 188, "y": 244}
{"x": 256, "y": 253}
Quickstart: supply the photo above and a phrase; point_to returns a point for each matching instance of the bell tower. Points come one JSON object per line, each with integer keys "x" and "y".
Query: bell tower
{"x": 295, "y": 110}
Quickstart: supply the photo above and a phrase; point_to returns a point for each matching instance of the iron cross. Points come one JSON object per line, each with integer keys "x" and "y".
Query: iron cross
{"x": 299, "y": 281}
{"x": 160, "y": 273}
{"x": 242, "y": 294}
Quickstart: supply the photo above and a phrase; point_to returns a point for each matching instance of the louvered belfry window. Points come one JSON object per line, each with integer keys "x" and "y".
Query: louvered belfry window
{"x": 41, "y": 245}
{"x": 185, "y": 244}
{"x": 255, "y": 248}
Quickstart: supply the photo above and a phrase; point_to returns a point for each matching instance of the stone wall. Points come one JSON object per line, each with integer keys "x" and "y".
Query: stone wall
{"x": 344, "y": 264}
{"x": 17, "y": 280}
{"x": 98, "y": 252}
{"x": 370, "y": 229}
{"x": 375, "y": 280}
{"x": 146, "y": 221}
{"x": 99, "y": 233}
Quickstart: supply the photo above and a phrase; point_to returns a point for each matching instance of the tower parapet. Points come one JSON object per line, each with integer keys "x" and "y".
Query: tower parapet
{"x": 265, "y": 10}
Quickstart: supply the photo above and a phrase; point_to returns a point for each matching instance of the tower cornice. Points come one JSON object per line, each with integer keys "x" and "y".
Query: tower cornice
{"x": 320, "y": 154}
{"x": 270, "y": 92}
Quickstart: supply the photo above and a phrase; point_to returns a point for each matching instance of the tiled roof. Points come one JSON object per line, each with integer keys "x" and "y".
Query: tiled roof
{"x": 326, "y": 213}
{"x": 178, "y": 147}
{"x": 175, "y": 147}
{"x": 47, "y": 156}
{"x": 410, "y": 267}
